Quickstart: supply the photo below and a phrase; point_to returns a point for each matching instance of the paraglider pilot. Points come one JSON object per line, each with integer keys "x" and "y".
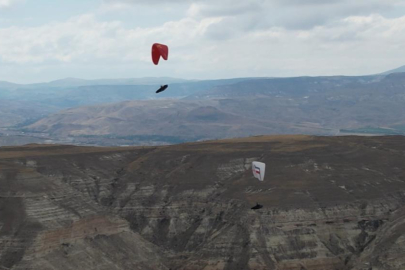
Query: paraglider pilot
{"x": 162, "y": 88}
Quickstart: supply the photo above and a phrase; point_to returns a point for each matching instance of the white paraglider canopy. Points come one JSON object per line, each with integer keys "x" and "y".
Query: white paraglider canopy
{"x": 258, "y": 169}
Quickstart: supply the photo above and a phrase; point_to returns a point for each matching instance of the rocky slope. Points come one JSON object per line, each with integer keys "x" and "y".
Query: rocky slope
{"x": 329, "y": 203}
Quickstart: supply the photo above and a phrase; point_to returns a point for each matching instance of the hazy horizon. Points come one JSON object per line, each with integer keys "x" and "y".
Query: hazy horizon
{"x": 186, "y": 79}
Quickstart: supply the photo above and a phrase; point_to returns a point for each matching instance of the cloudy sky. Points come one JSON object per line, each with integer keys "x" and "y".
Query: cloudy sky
{"x": 43, "y": 40}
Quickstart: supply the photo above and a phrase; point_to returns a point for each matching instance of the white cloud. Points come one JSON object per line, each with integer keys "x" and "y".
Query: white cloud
{"x": 291, "y": 14}
{"x": 210, "y": 43}
{"x": 149, "y": 2}
{"x": 8, "y": 3}
{"x": 280, "y": 13}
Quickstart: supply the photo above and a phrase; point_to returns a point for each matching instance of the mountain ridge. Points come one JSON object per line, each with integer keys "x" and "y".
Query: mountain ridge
{"x": 395, "y": 70}
{"x": 306, "y": 105}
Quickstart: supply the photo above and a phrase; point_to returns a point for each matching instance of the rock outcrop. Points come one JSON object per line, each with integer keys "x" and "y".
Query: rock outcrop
{"x": 329, "y": 203}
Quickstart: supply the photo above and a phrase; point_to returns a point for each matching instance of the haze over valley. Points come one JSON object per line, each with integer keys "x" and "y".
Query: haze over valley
{"x": 128, "y": 112}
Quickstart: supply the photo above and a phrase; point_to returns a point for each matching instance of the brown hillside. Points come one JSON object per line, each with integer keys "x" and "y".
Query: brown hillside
{"x": 329, "y": 203}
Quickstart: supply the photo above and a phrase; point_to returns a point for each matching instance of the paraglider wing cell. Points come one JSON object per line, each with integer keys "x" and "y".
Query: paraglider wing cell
{"x": 258, "y": 169}
{"x": 159, "y": 50}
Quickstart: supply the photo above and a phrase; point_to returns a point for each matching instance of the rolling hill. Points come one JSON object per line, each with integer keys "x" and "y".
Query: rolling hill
{"x": 308, "y": 105}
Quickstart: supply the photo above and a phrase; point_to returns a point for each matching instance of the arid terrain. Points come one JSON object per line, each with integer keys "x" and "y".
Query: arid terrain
{"x": 94, "y": 113}
{"x": 329, "y": 203}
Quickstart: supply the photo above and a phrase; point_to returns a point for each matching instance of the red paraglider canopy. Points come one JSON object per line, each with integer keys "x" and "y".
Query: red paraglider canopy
{"x": 159, "y": 50}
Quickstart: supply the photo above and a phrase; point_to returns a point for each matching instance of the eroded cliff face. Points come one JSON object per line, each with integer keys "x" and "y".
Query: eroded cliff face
{"x": 47, "y": 223}
{"x": 329, "y": 203}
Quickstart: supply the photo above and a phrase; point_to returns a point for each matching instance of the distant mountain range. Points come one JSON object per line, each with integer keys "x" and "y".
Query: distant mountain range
{"x": 397, "y": 70}
{"x": 93, "y": 112}
{"x": 75, "y": 82}
{"x": 307, "y": 105}
{"x": 70, "y": 93}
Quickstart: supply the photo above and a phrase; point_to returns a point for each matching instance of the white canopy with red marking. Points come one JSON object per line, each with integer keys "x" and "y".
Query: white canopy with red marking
{"x": 258, "y": 169}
